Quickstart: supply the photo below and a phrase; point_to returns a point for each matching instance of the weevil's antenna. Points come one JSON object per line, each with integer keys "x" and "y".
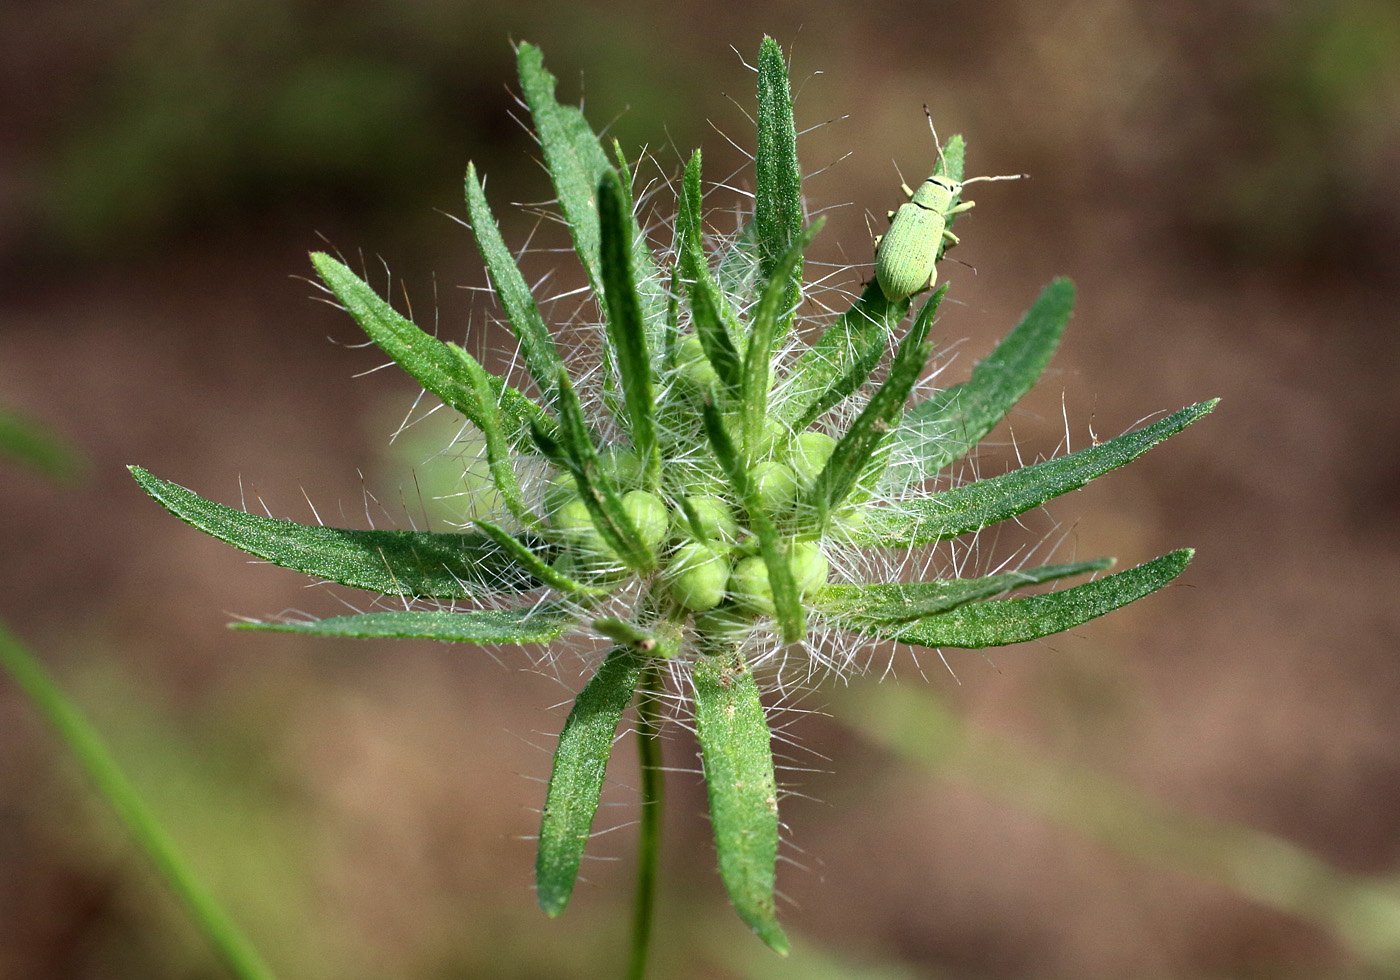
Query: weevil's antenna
{"x": 942, "y": 160}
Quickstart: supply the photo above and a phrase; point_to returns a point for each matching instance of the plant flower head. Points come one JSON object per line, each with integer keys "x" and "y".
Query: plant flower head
{"x": 715, "y": 497}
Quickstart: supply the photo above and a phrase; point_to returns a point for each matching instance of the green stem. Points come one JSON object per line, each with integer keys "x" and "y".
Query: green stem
{"x": 86, "y": 745}
{"x": 649, "y": 834}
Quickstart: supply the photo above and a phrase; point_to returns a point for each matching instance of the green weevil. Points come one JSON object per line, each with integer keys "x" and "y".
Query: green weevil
{"x": 906, "y": 255}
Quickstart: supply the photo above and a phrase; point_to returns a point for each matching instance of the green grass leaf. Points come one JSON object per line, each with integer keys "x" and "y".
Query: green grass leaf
{"x": 400, "y": 563}
{"x": 999, "y": 622}
{"x": 787, "y": 600}
{"x": 942, "y": 429}
{"x": 536, "y": 343}
{"x": 626, "y": 329}
{"x": 970, "y": 508}
{"x": 26, "y": 442}
{"x": 778, "y": 193}
{"x": 737, "y": 754}
{"x": 486, "y": 626}
{"x": 886, "y": 603}
{"x": 84, "y": 741}
{"x": 576, "y": 782}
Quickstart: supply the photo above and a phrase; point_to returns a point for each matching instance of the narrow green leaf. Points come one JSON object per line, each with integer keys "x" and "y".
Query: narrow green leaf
{"x": 942, "y": 429}
{"x": 763, "y": 332}
{"x": 855, "y": 449}
{"x": 83, "y": 740}
{"x": 536, "y": 343}
{"x": 432, "y": 363}
{"x": 737, "y": 754}
{"x": 576, "y": 782}
{"x": 488, "y": 626}
{"x": 576, "y": 453}
{"x": 778, "y": 194}
{"x": 626, "y": 330}
{"x": 527, "y": 559}
{"x": 787, "y": 600}
{"x": 498, "y": 455}
{"x": 844, "y": 354}
{"x": 576, "y": 162}
{"x": 402, "y": 563}
{"x": 970, "y": 508}
{"x": 885, "y": 603}
{"x": 715, "y": 323}
{"x": 998, "y": 622}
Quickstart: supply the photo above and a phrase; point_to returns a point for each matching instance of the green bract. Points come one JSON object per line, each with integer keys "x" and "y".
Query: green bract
{"x": 696, "y": 500}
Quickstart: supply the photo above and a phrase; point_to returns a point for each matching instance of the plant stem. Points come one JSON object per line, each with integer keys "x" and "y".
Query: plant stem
{"x": 649, "y": 833}
{"x": 86, "y": 745}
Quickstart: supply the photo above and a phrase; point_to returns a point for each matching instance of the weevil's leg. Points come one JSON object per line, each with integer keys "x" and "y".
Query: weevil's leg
{"x": 950, "y": 238}
{"x": 878, "y": 239}
{"x": 964, "y": 206}
{"x": 908, "y": 191}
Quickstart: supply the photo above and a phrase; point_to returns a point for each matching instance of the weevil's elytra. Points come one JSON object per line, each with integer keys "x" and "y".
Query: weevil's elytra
{"x": 906, "y": 256}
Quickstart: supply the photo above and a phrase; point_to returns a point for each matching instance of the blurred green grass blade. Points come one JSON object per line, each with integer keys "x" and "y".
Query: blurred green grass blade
{"x": 536, "y": 343}
{"x": 886, "y": 603}
{"x": 872, "y": 427}
{"x": 432, "y": 363}
{"x": 1362, "y": 912}
{"x": 626, "y": 329}
{"x": 715, "y": 323}
{"x": 533, "y": 563}
{"x": 576, "y": 162}
{"x": 400, "y": 563}
{"x": 977, "y": 505}
{"x": 737, "y": 754}
{"x": 764, "y": 324}
{"x": 787, "y": 600}
{"x": 487, "y": 626}
{"x": 998, "y": 622}
{"x": 29, "y": 443}
{"x": 576, "y": 782}
{"x": 778, "y": 192}
{"x": 83, "y": 740}
{"x": 845, "y": 353}
{"x": 576, "y": 453}
{"x": 944, "y": 428}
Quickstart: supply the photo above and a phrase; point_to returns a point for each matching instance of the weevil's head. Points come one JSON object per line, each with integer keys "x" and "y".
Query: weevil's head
{"x": 937, "y": 193}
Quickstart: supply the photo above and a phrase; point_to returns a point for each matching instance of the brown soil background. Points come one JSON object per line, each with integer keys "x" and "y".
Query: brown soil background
{"x": 1222, "y": 181}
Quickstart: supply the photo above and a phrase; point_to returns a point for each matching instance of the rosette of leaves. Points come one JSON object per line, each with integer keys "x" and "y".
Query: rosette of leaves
{"x": 707, "y": 496}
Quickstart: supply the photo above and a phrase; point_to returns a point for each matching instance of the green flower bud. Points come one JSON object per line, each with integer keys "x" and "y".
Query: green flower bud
{"x": 694, "y": 365}
{"x": 777, "y": 486}
{"x": 574, "y": 521}
{"x": 715, "y": 516}
{"x": 810, "y": 452}
{"x": 698, "y": 575}
{"x": 809, "y": 567}
{"x": 624, "y": 465}
{"x": 648, "y": 515}
{"x": 749, "y": 585}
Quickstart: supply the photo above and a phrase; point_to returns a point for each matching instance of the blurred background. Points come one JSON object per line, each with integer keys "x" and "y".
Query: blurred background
{"x": 1222, "y": 181}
